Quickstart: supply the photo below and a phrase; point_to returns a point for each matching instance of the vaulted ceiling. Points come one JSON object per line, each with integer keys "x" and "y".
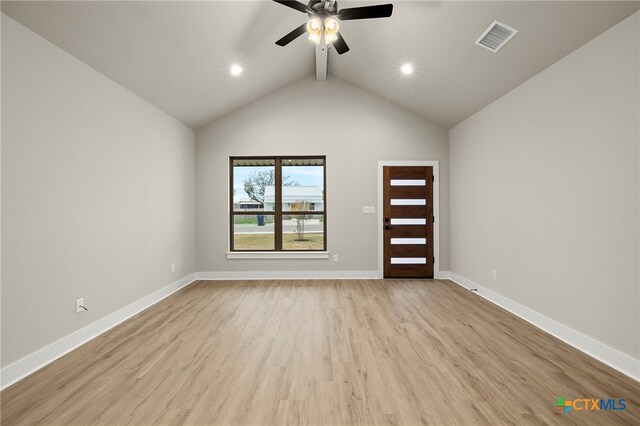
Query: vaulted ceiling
{"x": 177, "y": 54}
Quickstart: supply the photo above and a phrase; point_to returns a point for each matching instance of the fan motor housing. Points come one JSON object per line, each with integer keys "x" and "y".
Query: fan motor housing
{"x": 318, "y": 7}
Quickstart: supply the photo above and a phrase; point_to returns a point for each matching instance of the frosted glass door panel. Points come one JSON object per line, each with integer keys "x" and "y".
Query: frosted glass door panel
{"x": 408, "y": 202}
{"x": 408, "y": 221}
{"x": 408, "y": 260}
{"x": 408, "y": 182}
{"x": 408, "y": 241}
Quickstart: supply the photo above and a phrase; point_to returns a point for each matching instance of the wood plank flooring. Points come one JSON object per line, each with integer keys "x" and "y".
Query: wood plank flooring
{"x": 326, "y": 352}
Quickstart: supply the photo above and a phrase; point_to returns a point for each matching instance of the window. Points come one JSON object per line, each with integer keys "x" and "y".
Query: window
{"x": 278, "y": 204}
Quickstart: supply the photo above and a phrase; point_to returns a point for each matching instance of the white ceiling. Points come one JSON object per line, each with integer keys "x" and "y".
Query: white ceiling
{"x": 454, "y": 77}
{"x": 177, "y": 54}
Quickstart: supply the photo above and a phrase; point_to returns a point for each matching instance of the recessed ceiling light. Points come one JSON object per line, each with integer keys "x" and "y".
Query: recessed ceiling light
{"x": 235, "y": 70}
{"x": 406, "y": 69}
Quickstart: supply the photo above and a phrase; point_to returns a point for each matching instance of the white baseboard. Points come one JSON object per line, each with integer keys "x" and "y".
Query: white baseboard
{"x": 590, "y": 346}
{"x": 298, "y": 275}
{"x": 35, "y": 361}
{"x": 286, "y": 275}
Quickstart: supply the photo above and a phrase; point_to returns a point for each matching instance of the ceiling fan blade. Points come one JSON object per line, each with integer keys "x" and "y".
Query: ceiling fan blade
{"x": 292, "y": 35}
{"x": 366, "y": 12}
{"x": 301, "y": 7}
{"x": 340, "y": 45}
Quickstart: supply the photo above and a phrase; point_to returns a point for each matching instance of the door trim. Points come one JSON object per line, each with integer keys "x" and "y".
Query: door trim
{"x": 436, "y": 211}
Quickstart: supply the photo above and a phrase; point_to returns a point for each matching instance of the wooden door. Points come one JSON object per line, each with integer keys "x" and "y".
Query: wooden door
{"x": 408, "y": 222}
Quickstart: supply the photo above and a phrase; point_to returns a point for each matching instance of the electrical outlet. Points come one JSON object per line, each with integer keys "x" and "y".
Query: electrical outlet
{"x": 336, "y": 258}
{"x": 173, "y": 267}
{"x": 494, "y": 274}
{"x": 80, "y": 306}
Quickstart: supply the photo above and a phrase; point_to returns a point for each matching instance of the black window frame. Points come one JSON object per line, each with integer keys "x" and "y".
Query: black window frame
{"x": 278, "y": 213}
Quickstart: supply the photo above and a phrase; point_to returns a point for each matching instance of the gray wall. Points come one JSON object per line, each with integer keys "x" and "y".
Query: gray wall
{"x": 545, "y": 189}
{"x": 359, "y": 129}
{"x": 97, "y": 194}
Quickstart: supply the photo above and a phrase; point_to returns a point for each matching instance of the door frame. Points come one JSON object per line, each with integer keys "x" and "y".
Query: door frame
{"x": 436, "y": 211}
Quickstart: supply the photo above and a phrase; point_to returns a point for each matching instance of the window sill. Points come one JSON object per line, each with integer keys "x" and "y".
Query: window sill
{"x": 277, "y": 255}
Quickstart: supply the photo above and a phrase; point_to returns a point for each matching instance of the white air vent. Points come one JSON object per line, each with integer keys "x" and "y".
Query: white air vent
{"x": 496, "y": 36}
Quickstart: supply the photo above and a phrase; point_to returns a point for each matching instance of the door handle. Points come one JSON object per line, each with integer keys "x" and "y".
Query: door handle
{"x": 386, "y": 219}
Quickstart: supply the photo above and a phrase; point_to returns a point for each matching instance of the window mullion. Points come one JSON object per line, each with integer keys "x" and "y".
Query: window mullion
{"x": 278, "y": 212}
{"x": 231, "y": 216}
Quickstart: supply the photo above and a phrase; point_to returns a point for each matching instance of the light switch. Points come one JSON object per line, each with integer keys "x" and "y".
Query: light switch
{"x": 368, "y": 209}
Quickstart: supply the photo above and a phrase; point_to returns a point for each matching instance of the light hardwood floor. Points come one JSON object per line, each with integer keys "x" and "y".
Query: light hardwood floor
{"x": 320, "y": 353}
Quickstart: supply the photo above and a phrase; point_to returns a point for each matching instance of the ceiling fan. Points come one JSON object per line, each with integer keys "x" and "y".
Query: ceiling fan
{"x": 323, "y": 26}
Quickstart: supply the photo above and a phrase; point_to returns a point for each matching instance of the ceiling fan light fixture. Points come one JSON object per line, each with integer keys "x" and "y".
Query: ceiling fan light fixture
{"x": 322, "y": 25}
{"x": 331, "y": 25}
{"x": 314, "y": 28}
{"x": 314, "y": 25}
{"x": 331, "y": 28}
{"x": 314, "y": 38}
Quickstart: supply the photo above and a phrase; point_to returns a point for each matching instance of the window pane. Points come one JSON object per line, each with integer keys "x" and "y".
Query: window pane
{"x": 253, "y": 185}
{"x": 303, "y": 184}
{"x": 253, "y": 232}
{"x": 302, "y": 232}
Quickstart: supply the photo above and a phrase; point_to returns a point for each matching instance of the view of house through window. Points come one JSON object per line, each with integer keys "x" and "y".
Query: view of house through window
{"x": 278, "y": 203}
